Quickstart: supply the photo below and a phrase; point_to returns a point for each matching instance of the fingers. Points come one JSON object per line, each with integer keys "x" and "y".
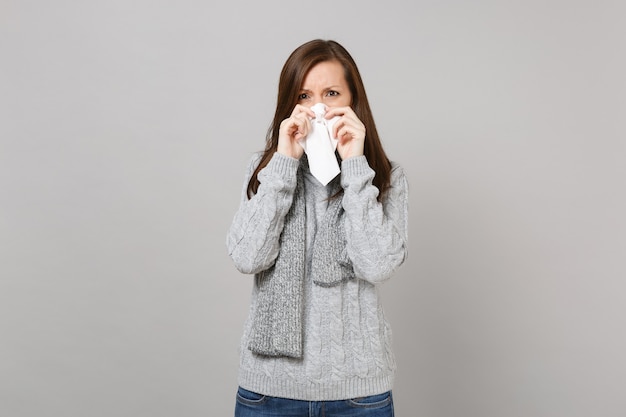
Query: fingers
{"x": 340, "y": 111}
{"x": 292, "y": 129}
{"x": 349, "y": 130}
{"x": 299, "y": 109}
{"x": 349, "y": 126}
{"x": 336, "y": 111}
{"x": 297, "y": 126}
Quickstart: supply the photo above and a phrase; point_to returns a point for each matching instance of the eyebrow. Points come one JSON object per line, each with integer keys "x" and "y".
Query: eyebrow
{"x": 332, "y": 87}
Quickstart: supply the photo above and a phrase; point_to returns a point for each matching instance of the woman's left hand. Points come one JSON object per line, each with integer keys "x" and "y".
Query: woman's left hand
{"x": 349, "y": 130}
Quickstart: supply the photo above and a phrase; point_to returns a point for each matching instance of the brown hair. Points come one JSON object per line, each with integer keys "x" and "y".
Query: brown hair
{"x": 292, "y": 76}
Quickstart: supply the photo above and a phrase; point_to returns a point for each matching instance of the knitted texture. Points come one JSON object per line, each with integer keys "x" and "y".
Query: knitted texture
{"x": 346, "y": 342}
{"x": 277, "y": 325}
{"x": 331, "y": 265}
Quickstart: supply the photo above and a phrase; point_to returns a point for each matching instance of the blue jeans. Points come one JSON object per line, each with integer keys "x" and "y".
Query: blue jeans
{"x": 250, "y": 404}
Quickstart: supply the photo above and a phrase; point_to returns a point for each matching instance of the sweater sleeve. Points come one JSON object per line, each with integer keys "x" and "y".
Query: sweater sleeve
{"x": 376, "y": 233}
{"x": 253, "y": 237}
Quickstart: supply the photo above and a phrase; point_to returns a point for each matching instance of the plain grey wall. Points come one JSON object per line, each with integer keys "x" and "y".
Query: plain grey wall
{"x": 125, "y": 128}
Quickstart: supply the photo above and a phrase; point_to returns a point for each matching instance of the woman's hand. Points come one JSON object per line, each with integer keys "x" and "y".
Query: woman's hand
{"x": 349, "y": 130}
{"x": 292, "y": 129}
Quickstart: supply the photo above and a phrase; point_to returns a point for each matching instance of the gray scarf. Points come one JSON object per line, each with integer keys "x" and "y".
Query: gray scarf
{"x": 277, "y": 328}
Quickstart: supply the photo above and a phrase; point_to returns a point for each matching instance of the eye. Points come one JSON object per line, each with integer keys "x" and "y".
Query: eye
{"x": 303, "y": 96}
{"x": 332, "y": 93}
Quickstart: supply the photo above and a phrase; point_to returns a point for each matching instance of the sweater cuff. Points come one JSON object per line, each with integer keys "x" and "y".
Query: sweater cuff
{"x": 355, "y": 168}
{"x": 283, "y": 166}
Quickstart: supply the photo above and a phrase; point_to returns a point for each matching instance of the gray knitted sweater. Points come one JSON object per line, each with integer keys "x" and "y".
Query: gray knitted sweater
{"x": 347, "y": 341}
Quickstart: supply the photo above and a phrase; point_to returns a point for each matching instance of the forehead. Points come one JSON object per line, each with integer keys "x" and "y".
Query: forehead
{"x": 324, "y": 74}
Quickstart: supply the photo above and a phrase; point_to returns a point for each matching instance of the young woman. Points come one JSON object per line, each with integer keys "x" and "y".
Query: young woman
{"x": 316, "y": 341}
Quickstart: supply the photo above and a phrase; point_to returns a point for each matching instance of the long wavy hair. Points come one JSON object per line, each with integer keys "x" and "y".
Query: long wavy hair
{"x": 292, "y": 76}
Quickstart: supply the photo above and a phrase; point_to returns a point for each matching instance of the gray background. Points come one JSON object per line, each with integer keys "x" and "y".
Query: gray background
{"x": 125, "y": 130}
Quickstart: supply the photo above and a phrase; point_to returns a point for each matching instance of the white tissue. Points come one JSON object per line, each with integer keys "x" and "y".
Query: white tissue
{"x": 319, "y": 145}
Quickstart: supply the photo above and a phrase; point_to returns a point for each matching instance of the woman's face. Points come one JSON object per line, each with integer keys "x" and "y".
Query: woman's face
{"x": 325, "y": 83}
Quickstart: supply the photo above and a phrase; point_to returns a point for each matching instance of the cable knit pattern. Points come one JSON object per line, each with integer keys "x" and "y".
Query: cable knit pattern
{"x": 277, "y": 323}
{"x": 346, "y": 341}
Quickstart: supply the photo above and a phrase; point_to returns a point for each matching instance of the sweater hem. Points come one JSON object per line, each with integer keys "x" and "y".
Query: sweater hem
{"x": 315, "y": 391}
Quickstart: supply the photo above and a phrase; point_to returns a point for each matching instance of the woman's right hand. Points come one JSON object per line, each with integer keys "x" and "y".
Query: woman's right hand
{"x": 292, "y": 129}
